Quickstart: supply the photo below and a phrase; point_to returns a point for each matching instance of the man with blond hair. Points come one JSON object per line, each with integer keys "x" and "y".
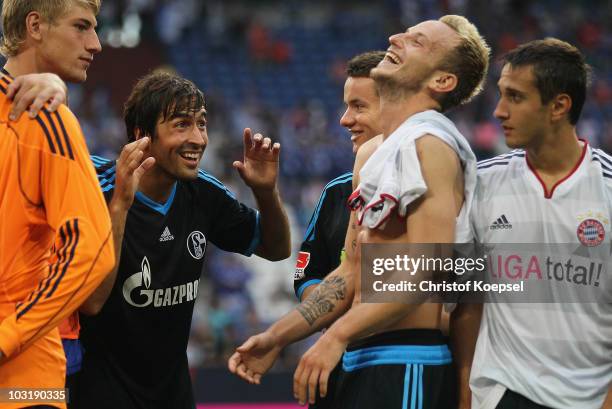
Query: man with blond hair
{"x": 50, "y": 36}
{"x": 49, "y": 197}
{"x": 393, "y": 348}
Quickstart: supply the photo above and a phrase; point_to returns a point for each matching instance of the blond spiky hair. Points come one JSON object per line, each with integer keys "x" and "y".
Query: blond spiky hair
{"x": 468, "y": 60}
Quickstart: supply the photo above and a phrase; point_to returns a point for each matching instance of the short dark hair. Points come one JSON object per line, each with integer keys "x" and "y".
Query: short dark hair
{"x": 558, "y": 67}
{"x": 159, "y": 95}
{"x": 361, "y": 65}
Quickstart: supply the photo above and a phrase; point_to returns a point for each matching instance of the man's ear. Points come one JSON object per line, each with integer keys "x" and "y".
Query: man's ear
{"x": 34, "y": 24}
{"x": 138, "y": 134}
{"x": 560, "y": 107}
{"x": 443, "y": 82}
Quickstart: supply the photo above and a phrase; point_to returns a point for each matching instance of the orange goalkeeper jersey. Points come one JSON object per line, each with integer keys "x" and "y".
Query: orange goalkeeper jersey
{"x": 55, "y": 239}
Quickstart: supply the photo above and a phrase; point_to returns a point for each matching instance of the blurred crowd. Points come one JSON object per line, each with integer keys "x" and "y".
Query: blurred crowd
{"x": 241, "y": 296}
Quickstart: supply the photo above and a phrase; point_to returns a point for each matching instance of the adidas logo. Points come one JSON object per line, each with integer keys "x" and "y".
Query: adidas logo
{"x": 501, "y": 223}
{"x": 166, "y": 236}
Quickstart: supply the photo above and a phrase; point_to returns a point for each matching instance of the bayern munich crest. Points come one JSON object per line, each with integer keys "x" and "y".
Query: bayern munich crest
{"x": 591, "y": 232}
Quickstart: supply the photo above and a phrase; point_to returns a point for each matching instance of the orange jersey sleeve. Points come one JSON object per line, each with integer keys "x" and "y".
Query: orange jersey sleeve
{"x": 55, "y": 239}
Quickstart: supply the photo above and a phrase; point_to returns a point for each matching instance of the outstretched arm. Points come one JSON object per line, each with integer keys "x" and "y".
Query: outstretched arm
{"x": 328, "y": 301}
{"x": 259, "y": 170}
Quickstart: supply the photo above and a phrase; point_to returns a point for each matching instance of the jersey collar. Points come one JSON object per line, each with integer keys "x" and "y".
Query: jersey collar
{"x": 549, "y": 194}
{"x": 158, "y": 207}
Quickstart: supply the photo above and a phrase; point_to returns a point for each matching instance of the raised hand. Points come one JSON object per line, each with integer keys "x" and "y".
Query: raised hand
{"x": 259, "y": 168}
{"x": 32, "y": 91}
{"x": 130, "y": 169}
{"x": 253, "y": 358}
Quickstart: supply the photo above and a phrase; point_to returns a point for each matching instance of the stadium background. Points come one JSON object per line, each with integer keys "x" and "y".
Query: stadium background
{"x": 278, "y": 67}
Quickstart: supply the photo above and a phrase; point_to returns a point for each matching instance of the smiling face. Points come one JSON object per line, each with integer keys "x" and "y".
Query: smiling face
{"x": 179, "y": 143}
{"x": 414, "y": 55}
{"x": 68, "y": 44}
{"x": 524, "y": 118}
{"x": 362, "y": 110}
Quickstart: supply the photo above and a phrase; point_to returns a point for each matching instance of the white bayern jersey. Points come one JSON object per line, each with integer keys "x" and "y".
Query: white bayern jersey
{"x": 556, "y": 354}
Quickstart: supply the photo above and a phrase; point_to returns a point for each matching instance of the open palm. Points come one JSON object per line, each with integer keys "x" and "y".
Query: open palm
{"x": 259, "y": 168}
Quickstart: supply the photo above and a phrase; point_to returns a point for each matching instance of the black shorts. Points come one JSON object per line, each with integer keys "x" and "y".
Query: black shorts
{"x": 512, "y": 400}
{"x": 405, "y": 369}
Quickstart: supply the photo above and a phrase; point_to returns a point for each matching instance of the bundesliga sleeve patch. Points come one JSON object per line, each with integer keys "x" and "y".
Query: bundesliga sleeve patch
{"x": 302, "y": 262}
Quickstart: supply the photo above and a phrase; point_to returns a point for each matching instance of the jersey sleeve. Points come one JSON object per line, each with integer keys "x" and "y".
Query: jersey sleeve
{"x": 312, "y": 263}
{"x": 480, "y": 209}
{"x": 235, "y": 226}
{"x": 106, "y": 172}
{"x": 82, "y": 253}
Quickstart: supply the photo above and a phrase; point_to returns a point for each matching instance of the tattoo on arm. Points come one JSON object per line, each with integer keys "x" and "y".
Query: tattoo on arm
{"x": 354, "y": 244}
{"x": 354, "y": 241}
{"x": 323, "y": 299}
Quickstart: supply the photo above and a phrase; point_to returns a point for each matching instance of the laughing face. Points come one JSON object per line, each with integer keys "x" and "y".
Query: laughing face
{"x": 362, "y": 110}
{"x": 414, "y": 55}
{"x": 179, "y": 144}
